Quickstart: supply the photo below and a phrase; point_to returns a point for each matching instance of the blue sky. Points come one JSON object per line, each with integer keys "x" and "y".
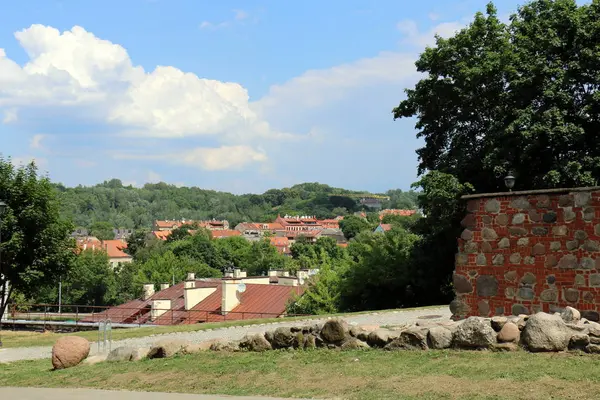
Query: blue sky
{"x": 240, "y": 96}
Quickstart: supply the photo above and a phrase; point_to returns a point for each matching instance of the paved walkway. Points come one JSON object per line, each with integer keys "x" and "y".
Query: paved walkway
{"x": 237, "y": 332}
{"x": 90, "y": 394}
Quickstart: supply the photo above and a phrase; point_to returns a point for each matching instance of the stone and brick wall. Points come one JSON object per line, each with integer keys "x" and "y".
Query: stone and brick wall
{"x": 524, "y": 252}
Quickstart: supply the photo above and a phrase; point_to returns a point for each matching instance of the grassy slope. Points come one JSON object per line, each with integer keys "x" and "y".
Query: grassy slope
{"x": 28, "y": 339}
{"x": 371, "y": 374}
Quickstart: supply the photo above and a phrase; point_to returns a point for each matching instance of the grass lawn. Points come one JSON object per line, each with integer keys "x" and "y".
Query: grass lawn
{"x": 29, "y": 338}
{"x": 327, "y": 374}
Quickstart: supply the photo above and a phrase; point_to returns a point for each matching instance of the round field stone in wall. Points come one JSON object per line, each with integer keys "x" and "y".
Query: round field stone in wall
{"x": 568, "y": 261}
{"x": 595, "y": 280}
{"x": 539, "y": 231}
{"x": 551, "y": 261}
{"x": 571, "y": 295}
{"x": 472, "y": 273}
{"x": 517, "y": 231}
{"x": 518, "y": 218}
{"x": 560, "y": 230}
{"x": 549, "y": 295}
{"x": 492, "y": 206}
{"x": 534, "y": 216}
{"x": 471, "y": 247}
{"x": 462, "y": 259}
{"x": 551, "y": 279}
{"x": 509, "y": 292}
{"x": 487, "y": 285}
{"x": 588, "y": 214}
{"x": 504, "y": 243}
{"x": 486, "y": 220}
{"x": 499, "y": 311}
{"x": 469, "y": 221}
{"x": 498, "y": 259}
{"x": 458, "y": 307}
{"x": 484, "y": 308}
{"x": 569, "y": 214}
{"x": 520, "y": 203}
{"x": 588, "y": 297}
{"x": 582, "y": 199}
{"x": 502, "y": 219}
{"x": 580, "y": 235}
{"x": 572, "y": 245}
{"x": 542, "y": 201}
{"x": 518, "y": 309}
{"x": 538, "y": 250}
{"x": 461, "y": 284}
{"x": 529, "y": 260}
{"x": 579, "y": 280}
{"x": 473, "y": 205}
{"x": 549, "y": 217}
{"x": 489, "y": 234}
{"x": 466, "y": 235}
{"x": 536, "y": 308}
{"x": 597, "y": 229}
{"x": 590, "y": 315}
{"x": 481, "y": 259}
{"x": 565, "y": 201}
{"x": 511, "y": 276}
{"x": 586, "y": 263}
{"x": 591, "y": 245}
{"x": 555, "y": 246}
{"x": 486, "y": 247}
{"x": 515, "y": 258}
{"x": 528, "y": 279}
{"x": 525, "y": 293}
{"x": 523, "y": 242}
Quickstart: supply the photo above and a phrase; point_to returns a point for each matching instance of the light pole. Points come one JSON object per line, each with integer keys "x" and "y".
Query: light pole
{"x": 509, "y": 181}
{"x": 5, "y": 299}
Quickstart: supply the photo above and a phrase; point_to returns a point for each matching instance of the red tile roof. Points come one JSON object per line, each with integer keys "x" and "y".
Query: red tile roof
{"x": 113, "y": 248}
{"x": 162, "y": 235}
{"x": 402, "y": 213}
{"x": 225, "y": 233}
{"x": 386, "y": 227}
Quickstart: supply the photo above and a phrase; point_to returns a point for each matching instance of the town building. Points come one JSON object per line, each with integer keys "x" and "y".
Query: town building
{"x": 168, "y": 225}
{"x": 236, "y": 296}
{"x": 298, "y": 223}
{"x": 382, "y": 228}
{"x": 401, "y": 213}
{"x": 113, "y": 248}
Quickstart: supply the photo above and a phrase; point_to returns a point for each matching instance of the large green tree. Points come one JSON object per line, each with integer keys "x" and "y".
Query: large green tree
{"x": 36, "y": 248}
{"x": 495, "y": 97}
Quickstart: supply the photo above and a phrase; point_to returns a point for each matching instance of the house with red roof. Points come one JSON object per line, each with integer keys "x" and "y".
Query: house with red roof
{"x": 382, "y": 228}
{"x": 401, "y": 213}
{"x": 298, "y": 223}
{"x": 169, "y": 225}
{"x": 233, "y": 297}
{"x": 113, "y": 248}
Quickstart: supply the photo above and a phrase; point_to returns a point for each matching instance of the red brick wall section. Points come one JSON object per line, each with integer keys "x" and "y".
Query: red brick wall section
{"x": 529, "y": 253}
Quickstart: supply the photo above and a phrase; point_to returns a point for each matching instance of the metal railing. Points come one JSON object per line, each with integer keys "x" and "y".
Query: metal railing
{"x": 52, "y": 314}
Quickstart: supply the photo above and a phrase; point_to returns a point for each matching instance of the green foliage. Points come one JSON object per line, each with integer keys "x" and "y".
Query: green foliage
{"x": 136, "y": 241}
{"x": 102, "y": 230}
{"x": 135, "y": 208}
{"x": 91, "y": 280}
{"x": 178, "y": 234}
{"x": 35, "y": 244}
{"x": 353, "y": 225}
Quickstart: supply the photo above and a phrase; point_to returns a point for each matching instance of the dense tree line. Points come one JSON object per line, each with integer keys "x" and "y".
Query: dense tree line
{"x": 110, "y": 204}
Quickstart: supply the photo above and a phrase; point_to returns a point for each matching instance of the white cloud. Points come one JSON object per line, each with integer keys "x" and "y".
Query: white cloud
{"x": 206, "y": 158}
{"x": 36, "y": 141}
{"x": 10, "y": 115}
{"x": 422, "y": 39}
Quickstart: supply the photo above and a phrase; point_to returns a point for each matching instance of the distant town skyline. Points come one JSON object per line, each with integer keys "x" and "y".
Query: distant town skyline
{"x": 232, "y": 96}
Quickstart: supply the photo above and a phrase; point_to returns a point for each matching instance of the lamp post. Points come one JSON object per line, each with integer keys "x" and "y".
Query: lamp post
{"x": 2, "y": 209}
{"x": 509, "y": 181}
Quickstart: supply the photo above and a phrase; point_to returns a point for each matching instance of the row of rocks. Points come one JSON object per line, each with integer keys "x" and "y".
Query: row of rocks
{"x": 538, "y": 332}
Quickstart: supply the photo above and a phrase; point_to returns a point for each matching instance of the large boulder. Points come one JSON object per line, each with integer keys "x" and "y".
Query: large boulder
{"x": 410, "y": 339}
{"x": 127, "y": 354}
{"x": 224, "y": 345}
{"x": 255, "y": 343}
{"x": 570, "y": 315}
{"x": 474, "y": 333}
{"x": 96, "y": 359}
{"x": 282, "y": 338}
{"x": 68, "y": 351}
{"x": 354, "y": 344}
{"x": 381, "y": 337}
{"x": 546, "y": 332}
{"x": 439, "y": 337}
{"x": 334, "y": 331}
{"x": 167, "y": 348}
{"x": 509, "y": 333}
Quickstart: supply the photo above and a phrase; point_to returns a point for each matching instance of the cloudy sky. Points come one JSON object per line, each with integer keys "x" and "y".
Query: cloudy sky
{"x": 240, "y": 96}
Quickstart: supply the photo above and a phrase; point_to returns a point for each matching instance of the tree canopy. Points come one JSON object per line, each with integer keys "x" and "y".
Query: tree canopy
{"x": 35, "y": 247}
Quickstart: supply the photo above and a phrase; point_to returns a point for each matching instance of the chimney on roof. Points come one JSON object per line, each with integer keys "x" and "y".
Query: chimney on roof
{"x": 229, "y": 295}
{"x": 164, "y": 286}
{"x": 191, "y": 276}
{"x": 286, "y": 273}
{"x": 193, "y": 295}
{"x": 148, "y": 291}
{"x": 236, "y": 272}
